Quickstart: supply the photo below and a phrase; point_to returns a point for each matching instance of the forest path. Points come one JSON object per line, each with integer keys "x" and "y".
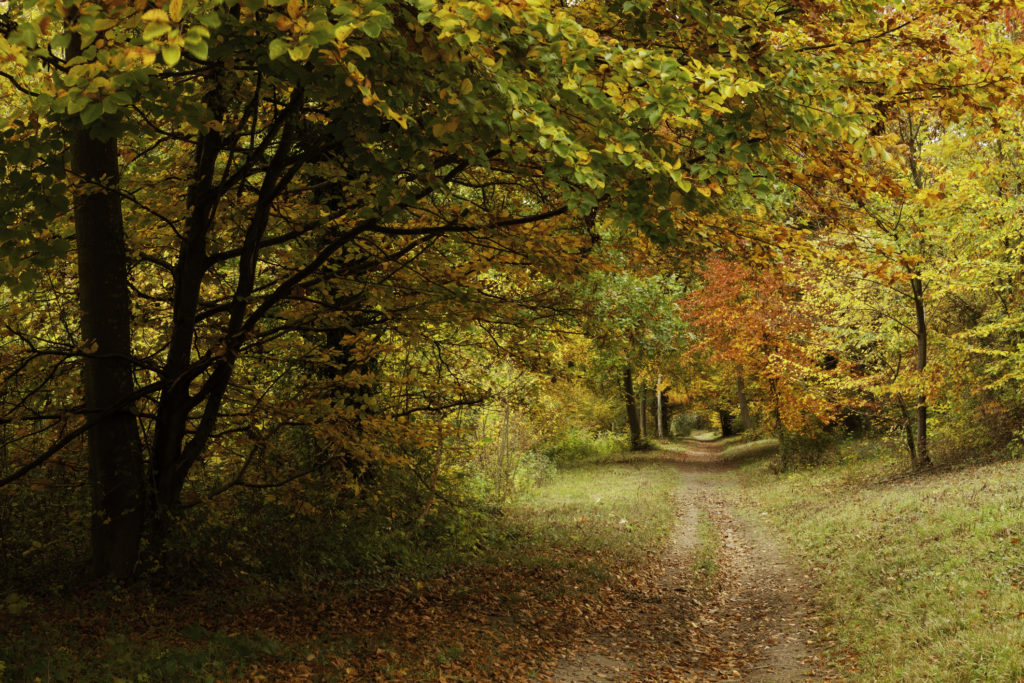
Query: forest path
{"x": 725, "y": 605}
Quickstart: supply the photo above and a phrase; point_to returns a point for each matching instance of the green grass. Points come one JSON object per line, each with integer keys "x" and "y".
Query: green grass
{"x": 623, "y": 510}
{"x": 750, "y": 449}
{"x": 922, "y": 577}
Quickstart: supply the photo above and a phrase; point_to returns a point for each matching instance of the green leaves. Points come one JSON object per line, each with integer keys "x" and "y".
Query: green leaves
{"x": 171, "y": 54}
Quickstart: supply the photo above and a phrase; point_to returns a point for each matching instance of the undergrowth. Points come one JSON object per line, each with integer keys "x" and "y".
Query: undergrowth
{"x": 268, "y": 613}
{"x": 581, "y": 445}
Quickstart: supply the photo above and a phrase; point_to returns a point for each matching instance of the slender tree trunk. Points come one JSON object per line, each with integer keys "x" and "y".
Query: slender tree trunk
{"x": 643, "y": 411}
{"x": 659, "y": 415}
{"x": 635, "y": 438}
{"x": 116, "y": 478}
{"x": 910, "y": 132}
{"x": 167, "y": 467}
{"x": 741, "y": 395}
{"x": 917, "y": 288}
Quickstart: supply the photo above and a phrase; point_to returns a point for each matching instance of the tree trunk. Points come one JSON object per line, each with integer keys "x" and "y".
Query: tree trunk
{"x": 741, "y": 395}
{"x": 116, "y": 479}
{"x": 659, "y": 415}
{"x": 635, "y": 438}
{"x": 911, "y": 137}
{"x": 726, "y": 419}
{"x": 917, "y": 288}
{"x": 167, "y": 466}
{"x": 643, "y": 411}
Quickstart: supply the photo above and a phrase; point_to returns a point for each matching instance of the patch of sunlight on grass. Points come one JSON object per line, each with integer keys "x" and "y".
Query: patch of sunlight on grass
{"x": 622, "y": 510}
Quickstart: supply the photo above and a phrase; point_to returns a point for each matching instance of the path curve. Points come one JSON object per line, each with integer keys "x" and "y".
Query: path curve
{"x": 752, "y": 620}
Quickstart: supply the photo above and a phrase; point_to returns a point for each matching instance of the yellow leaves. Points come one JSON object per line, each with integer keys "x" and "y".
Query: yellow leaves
{"x": 466, "y": 87}
{"x": 591, "y": 37}
{"x": 442, "y": 127}
{"x": 930, "y": 197}
{"x": 619, "y": 148}
{"x": 533, "y": 118}
{"x": 342, "y": 32}
{"x": 709, "y": 189}
{"x": 481, "y": 10}
{"x": 144, "y": 55}
{"x": 402, "y": 119}
{"x": 156, "y": 16}
{"x": 175, "y": 7}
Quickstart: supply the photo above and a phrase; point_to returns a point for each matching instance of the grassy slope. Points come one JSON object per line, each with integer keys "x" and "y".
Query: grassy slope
{"x": 922, "y": 576}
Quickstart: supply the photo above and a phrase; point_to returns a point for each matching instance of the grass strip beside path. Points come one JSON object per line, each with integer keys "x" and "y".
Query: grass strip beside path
{"x": 922, "y": 576}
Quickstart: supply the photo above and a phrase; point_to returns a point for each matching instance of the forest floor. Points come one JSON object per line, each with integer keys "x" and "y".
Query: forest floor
{"x": 649, "y": 567}
{"x": 726, "y": 603}
{"x": 664, "y": 565}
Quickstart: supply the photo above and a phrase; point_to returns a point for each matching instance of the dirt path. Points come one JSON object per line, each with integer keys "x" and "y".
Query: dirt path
{"x": 741, "y": 612}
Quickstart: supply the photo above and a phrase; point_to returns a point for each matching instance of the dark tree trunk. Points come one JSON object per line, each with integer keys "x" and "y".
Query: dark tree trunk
{"x": 911, "y": 137}
{"x": 635, "y": 438}
{"x": 168, "y": 468}
{"x": 660, "y": 413}
{"x": 917, "y": 288}
{"x": 116, "y": 477}
{"x": 726, "y": 419}
{"x": 643, "y": 412}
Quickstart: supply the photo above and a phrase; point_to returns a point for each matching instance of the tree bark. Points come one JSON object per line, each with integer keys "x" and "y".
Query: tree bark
{"x": 910, "y": 134}
{"x": 726, "y": 419}
{"x": 917, "y": 288}
{"x": 643, "y": 411}
{"x": 167, "y": 468}
{"x": 635, "y": 438}
{"x": 116, "y": 479}
{"x": 659, "y": 415}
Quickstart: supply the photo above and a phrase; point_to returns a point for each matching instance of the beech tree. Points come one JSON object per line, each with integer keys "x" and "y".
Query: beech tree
{"x": 245, "y": 174}
{"x": 263, "y": 200}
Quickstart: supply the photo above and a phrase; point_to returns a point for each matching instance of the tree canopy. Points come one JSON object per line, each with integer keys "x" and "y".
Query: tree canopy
{"x": 327, "y": 249}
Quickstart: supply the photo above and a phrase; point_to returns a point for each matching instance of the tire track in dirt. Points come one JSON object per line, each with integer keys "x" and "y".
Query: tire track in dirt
{"x": 752, "y": 620}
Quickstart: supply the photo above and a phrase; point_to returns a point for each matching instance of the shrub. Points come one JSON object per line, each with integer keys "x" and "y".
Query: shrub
{"x": 582, "y": 445}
